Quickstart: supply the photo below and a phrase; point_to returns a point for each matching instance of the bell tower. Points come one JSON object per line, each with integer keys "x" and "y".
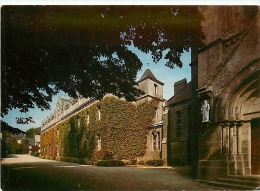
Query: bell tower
{"x": 152, "y": 88}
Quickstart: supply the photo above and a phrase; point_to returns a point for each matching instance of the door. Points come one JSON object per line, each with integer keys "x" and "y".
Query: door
{"x": 255, "y": 146}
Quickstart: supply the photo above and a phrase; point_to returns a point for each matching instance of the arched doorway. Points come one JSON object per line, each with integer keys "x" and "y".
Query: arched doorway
{"x": 245, "y": 106}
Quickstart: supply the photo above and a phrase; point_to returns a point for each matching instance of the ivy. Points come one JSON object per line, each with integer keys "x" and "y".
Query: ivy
{"x": 122, "y": 129}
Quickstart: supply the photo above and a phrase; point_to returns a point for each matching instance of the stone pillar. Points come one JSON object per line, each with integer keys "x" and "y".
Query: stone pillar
{"x": 231, "y": 150}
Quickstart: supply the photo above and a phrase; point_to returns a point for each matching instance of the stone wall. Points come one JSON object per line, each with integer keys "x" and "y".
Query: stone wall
{"x": 212, "y": 163}
{"x": 178, "y": 126}
{"x": 228, "y": 75}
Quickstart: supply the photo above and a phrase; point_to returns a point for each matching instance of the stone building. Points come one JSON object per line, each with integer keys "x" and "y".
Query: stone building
{"x": 66, "y": 109}
{"x": 228, "y": 77}
{"x": 153, "y": 89}
{"x": 179, "y": 112}
{"x": 225, "y": 72}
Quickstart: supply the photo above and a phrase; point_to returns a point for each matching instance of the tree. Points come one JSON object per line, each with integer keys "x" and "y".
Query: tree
{"x": 7, "y": 128}
{"x": 33, "y": 131}
{"x": 85, "y": 49}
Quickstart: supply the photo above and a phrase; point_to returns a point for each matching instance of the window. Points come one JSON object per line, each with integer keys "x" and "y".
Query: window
{"x": 156, "y": 115}
{"x": 78, "y": 122}
{"x": 99, "y": 143}
{"x": 50, "y": 150}
{"x": 154, "y": 141}
{"x": 158, "y": 141}
{"x": 87, "y": 118}
{"x": 178, "y": 124}
{"x": 155, "y": 89}
{"x": 99, "y": 114}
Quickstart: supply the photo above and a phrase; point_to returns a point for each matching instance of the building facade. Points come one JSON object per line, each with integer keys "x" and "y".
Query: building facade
{"x": 228, "y": 78}
{"x": 179, "y": 111}
{"x": 153, "y": 89}
{"x": 225, "y": 74}
{"x": 112, "y": 127}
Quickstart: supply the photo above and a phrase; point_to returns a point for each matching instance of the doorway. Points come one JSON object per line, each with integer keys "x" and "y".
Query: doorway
{"x": 255, "y": 146}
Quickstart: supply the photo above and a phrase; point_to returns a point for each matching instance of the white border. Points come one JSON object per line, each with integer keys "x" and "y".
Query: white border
{"x": 130, "y": 2}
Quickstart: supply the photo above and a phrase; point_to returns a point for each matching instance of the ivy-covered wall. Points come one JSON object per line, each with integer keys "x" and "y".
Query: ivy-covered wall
{"x": 17, "y": 148}
{"x": 121, "y": 130}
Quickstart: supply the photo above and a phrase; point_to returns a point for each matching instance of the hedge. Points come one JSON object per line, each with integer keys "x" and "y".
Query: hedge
{"x": 108, "y": 163}
{"x": 155, "y": 162}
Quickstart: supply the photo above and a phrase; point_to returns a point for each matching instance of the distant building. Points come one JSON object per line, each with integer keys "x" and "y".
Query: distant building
{"x": 34, "y": 144}
{"x": 16, "y": 144}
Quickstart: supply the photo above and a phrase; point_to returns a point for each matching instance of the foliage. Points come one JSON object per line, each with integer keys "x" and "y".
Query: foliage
{"x": 130, "y": 162}
{"x": 68, "y": 159}
{"x": 6, "y": 133}
{"x": 35, "y": 154}
{"x": 4, "y": 149}
{"x": 108, "y": 163}
{"x": 155, "y": 162}
{"x": 85, "y": 49}
{"x": 16, "y": 148}
{"x": 6, "y": 127}
{"x": 33, "y": 131}
{"x": 122, "y": 130}
{"x": 85, "y": 161}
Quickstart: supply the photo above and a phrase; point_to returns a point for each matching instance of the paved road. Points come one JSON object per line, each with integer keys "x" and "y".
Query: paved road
{"x": 24, "y": 172}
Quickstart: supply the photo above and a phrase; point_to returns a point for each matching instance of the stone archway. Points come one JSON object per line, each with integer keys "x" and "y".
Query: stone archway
{"x": 244, "y": 105}
{"x": 245, "y": 100}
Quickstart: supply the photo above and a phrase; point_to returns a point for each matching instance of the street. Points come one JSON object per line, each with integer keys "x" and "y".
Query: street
{"x": 25, "y": 172}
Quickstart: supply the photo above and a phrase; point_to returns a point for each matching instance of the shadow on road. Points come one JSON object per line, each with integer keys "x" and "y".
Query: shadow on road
{"x": 27, "y": 173}
{"x": 184, "y": 171}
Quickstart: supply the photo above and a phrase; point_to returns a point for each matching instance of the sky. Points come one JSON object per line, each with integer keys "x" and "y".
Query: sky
{"x": 162, "y": 73}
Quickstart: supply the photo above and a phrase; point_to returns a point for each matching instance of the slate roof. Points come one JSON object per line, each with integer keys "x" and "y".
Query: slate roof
{"x": 148, "y": 74}
{"x": 20, "y": 135}
{"x": 182, "y": 96}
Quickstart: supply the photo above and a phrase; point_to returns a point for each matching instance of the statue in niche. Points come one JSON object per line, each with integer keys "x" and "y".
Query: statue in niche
{"x": 205, "y": 111}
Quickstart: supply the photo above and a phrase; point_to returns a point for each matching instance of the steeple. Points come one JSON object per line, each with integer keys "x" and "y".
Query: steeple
{"x": 150, "y": 85}
{"x": 153, "y": 89}
{"x": 148, "y": 74}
